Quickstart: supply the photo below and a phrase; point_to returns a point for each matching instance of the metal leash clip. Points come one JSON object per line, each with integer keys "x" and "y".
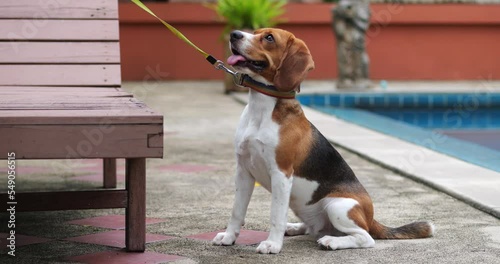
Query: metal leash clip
{"x": 219, "y": 65}
{"x": 237, "y": 77}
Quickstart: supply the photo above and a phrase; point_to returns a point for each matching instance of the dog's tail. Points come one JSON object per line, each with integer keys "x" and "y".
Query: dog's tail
{"x": 409, "y": 231}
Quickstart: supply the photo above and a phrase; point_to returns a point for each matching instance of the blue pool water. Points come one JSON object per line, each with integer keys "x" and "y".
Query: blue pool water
{"x": 463, "y": 125}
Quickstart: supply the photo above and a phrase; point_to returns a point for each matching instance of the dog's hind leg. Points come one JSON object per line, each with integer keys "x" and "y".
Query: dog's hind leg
{"x": 244, "y": 188}
{"x": 339, "y": 211}
{"x": 295, "y": 229}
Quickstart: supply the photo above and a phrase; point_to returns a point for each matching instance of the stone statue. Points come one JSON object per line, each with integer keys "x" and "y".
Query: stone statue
{"x": 351, "y": 19}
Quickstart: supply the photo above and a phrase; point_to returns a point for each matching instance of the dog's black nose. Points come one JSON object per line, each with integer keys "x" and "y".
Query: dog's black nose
{"x": 236, "y": 34}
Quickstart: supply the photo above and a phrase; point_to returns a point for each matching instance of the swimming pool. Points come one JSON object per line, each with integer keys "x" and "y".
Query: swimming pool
{"x": 462, "y": 125}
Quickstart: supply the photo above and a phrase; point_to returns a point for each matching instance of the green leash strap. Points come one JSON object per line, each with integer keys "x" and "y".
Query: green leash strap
{"x": 176, "y": 32}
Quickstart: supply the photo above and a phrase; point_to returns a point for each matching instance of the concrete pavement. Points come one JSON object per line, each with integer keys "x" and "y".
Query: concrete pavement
{"x": 199, "y": 127}
{"x": 204, "y": 122}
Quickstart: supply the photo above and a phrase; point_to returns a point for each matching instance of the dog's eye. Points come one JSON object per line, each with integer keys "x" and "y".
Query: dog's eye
{"x": 269, "y": 38}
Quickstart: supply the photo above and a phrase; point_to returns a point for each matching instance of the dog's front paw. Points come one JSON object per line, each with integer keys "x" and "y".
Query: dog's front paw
{"x": 269, "y": 247}
{"x": 224, "y": 239}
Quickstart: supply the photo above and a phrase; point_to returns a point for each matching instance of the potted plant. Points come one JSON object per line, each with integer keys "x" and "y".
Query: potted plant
{"x": 248, "y": 16}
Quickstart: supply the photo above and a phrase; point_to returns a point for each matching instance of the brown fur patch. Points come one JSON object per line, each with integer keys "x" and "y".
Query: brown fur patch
{"x": 361, "y": 214}
{"x": 295, "y": 135}
{"x": 357, "y": 214}
{"x": 296, "y": 62}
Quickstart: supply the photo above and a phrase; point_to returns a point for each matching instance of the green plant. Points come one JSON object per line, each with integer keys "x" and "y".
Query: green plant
{"x": 250, "y": 14}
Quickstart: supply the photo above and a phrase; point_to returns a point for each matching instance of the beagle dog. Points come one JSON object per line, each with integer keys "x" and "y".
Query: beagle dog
{"x": 279, "y": 148}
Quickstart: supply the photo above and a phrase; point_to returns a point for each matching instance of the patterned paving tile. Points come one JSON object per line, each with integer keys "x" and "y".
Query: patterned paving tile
{"x": 115, "y": 238}
{"x": 188, "y": 168}
{"x": 122, "y": 257}
{"x": 246, "y": 237}
{"x": 110, "y": 221}
{"x": 22, "y": 240}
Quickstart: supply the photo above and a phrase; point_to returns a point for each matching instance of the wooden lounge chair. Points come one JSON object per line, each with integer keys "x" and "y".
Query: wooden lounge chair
{"x": 60, "y": 98}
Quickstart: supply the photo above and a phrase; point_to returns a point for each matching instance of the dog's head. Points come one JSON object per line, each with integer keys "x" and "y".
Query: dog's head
{"x": 271, "y": 56}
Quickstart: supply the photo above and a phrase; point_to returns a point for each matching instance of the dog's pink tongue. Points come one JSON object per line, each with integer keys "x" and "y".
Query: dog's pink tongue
{"x": 233, "y": 59}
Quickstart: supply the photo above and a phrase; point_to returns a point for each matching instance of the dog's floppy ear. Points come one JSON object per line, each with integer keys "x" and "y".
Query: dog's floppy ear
{"x": 294, "y": 66}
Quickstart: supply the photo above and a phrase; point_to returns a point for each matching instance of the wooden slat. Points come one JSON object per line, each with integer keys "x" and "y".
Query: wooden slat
{"x": 97, "y": 75}
{"x": 50, "y": 201}
{"x": 89, "y": 9}
{"x": 69, "y": 106}
{"x": 59, "y": 52}
{"x": 49, "y": 102}
{"x": 63, "y": 95}
{"x": 49, "y": 98}
{"x": 62, "y": 89}
{"x": 135, "y": 214}
{"x": 69, "y": 117}
{"x": 61, "y": 92}
{"x": 59, "y": 30}
{"x": 80, "y": 141}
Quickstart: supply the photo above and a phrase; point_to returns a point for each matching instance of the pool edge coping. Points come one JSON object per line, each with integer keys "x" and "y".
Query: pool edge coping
{"x": 435, "y": 179}
{"x": 432, "y": 139}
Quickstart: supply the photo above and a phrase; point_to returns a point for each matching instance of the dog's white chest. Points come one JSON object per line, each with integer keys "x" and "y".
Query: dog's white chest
{"x": 256, "y": 139}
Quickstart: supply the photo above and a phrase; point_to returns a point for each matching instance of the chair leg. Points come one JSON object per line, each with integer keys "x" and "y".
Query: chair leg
{"x": 135, "y": 220}
{"x": 109, "y": 173}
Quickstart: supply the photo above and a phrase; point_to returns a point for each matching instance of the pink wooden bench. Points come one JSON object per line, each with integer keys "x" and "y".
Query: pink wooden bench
{"x": 60, "y": 98}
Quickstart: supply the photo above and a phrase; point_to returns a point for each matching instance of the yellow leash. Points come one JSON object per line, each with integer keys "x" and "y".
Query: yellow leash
{"x": 176, "y": 32}
{"x": 239, "y": 79}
